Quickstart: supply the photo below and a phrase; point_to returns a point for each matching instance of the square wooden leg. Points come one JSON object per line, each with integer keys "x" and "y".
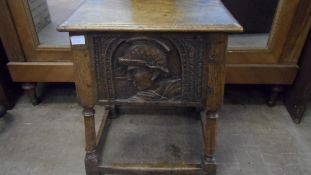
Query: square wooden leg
{"x": 209, "y": 126}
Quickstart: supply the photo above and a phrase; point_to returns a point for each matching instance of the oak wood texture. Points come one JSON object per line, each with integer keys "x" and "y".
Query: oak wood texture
{"x": 41, "y": 71}
{"x": 102, "y": 127}
{"x": 140, "y": 15}
{"x": 90, "y": 133}
{"x": 8, "y": 34}
{"x": 193, "y": 53}
{"x": 172, "y": 57}
{"x": 84, "y": 75}
{"x": 260, "y": 74}
{"x": 89, "y": 60}
{"x": 298, "y": 33}
{"x": 184, "y": 169}
{"x": 91, "y": 159}
{"x": 216, "y": 72}
{"x": 209, "y": 121}
{"x": 209, "y": 127}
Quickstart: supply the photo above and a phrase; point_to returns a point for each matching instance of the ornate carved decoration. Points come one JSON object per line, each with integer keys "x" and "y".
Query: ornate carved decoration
{"x": 102, "y": 56}
{"x": 191, "y": 53}
{"x": 149, "y": 69}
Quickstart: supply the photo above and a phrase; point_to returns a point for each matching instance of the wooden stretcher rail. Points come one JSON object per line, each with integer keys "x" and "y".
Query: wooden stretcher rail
{"x": 155, "y": 169}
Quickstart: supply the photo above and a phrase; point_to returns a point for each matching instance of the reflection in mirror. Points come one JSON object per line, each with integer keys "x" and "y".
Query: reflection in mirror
{"x": 256, "y": 17}
{"x": 47, "y": 15}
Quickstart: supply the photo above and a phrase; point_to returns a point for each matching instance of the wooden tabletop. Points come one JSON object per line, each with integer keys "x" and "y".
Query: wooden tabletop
{"x": 151, "y": 15}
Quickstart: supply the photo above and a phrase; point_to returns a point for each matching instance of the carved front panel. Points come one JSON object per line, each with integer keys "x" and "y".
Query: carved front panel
{"x": 150, "y": 68}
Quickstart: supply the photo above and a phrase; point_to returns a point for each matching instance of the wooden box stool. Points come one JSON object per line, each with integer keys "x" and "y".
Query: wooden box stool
{"x": 156, "y": 54}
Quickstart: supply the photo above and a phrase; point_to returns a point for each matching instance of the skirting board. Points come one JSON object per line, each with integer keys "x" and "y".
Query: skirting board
{"x": 236, "y": 73}
{"x": 41, "y": 71}
{"x": 261, "y": 74}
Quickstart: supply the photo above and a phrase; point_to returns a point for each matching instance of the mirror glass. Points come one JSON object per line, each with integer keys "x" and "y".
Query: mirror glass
{"x": 47, "y": 15}
{"x": 256, "y": 17}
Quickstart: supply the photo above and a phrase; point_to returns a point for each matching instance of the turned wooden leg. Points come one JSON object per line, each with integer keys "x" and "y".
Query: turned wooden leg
{"x": 91, "y": 159}
{"x": 30, "y": 89}
{"x": 275, "y": 92}
{"x": 209, "y": 126}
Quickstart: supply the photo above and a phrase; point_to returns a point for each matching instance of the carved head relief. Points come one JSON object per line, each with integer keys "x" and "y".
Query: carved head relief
{"x": 144, "y": 65}
{"x": 150, "y": 68}
{"x": 147, "y": 69}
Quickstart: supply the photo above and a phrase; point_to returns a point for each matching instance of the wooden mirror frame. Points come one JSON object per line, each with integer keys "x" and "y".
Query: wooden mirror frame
{"x": 34, "y": 51}
{"x": 281, "y": 26}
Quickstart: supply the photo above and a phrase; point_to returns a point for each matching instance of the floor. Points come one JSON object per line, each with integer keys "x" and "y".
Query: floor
{"x": 253, "y": 139}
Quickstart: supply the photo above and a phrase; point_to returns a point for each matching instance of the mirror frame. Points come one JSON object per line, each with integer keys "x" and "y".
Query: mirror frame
{"x": 35, "y": 51}
{"x": 282, "y": 21}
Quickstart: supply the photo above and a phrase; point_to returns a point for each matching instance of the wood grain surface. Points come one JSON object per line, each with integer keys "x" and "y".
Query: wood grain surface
{"x": 153, "y": 15}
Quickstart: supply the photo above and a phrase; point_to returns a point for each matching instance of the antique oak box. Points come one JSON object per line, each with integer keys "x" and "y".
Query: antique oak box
{"x": 156, "y": 54}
